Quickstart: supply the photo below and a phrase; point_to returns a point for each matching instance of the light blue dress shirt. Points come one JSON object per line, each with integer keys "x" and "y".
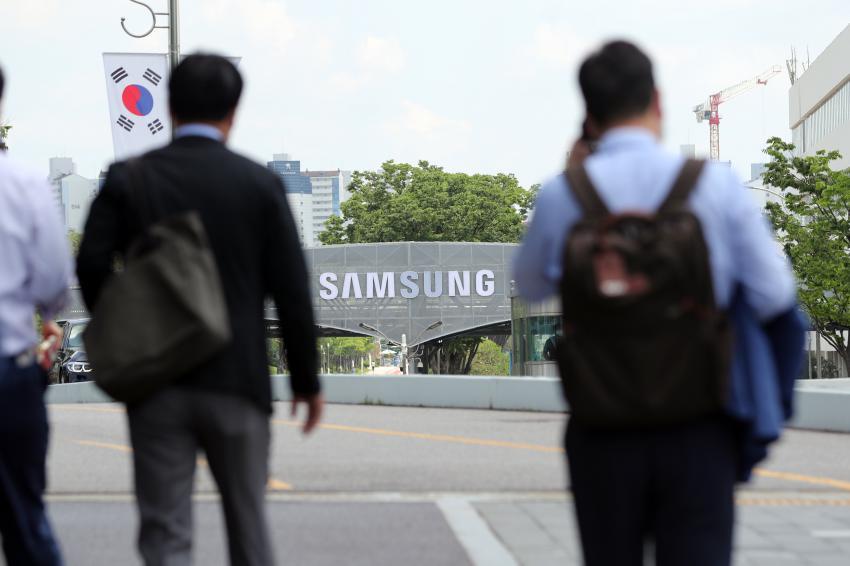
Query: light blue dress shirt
{"x": 200, "y": 130}
{"x": 632, "y": 171}
{"x": 35, "y": 263}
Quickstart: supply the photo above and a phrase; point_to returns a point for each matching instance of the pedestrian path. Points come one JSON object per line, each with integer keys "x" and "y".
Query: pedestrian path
{"x": 421, "y": 487}
{"x": 464, "y": 529}
{"x": 801, "y": 532}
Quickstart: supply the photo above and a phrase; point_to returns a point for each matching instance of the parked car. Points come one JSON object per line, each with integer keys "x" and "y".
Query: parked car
{"x": 71, "y": 363}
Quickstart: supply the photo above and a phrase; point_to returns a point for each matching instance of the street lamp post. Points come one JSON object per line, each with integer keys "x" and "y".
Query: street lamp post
{"x": 403, "y": 344}
{"x": 173, "y": 28}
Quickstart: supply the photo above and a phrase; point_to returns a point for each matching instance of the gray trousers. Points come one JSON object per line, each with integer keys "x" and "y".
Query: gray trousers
{"x": 167, "y": 432}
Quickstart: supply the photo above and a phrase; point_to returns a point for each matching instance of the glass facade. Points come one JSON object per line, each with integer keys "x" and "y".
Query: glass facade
{"x": 535, "y": 327}
{"x": 824, "y": 120}
{"x": 290, "y": 173}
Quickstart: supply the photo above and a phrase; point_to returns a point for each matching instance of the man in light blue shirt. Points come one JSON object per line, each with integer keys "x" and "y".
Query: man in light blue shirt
{"x": 675, "y": 484}
{"x": 632, "y": 171}
{"x": 35, "y": 271}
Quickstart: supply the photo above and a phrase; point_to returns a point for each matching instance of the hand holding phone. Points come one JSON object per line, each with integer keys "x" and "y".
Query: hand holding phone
{"x": 584, "y": 146}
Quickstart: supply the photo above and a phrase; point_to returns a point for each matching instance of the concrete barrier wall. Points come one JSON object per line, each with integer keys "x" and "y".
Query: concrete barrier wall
{"x": 468, "y": 392}
{"x": 84, "y": 392}
{"x": 820, "y": 404}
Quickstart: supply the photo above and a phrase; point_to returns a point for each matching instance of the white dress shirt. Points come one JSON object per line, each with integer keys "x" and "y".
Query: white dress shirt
{"x": 35, "y": 263}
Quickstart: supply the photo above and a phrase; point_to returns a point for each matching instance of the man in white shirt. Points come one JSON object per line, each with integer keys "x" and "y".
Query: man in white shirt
{"x": 34, "y": 277}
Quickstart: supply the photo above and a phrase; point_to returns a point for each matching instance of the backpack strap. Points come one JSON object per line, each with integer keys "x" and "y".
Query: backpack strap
{"x": 584, "y": 191}
{"x": 683, "y": 186}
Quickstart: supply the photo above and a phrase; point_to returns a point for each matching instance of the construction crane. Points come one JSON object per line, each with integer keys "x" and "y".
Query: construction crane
{"x": 709, "y": 110}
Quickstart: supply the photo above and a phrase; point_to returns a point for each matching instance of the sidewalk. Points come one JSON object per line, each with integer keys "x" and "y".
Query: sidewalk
{"x": 770, "y": 532}
{"x": 391, "y": 529}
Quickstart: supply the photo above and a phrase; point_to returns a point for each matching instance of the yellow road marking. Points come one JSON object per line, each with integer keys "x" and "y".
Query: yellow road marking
{"x": 118, "y": 447}
{"x": 802, "y": 478}
{"x": 791, "y": 502}
{"x": 435, "y": 437}
{"x": 277, "y": 485}
{"x": 760, "y": 472}
{"x": 273, "y": 484}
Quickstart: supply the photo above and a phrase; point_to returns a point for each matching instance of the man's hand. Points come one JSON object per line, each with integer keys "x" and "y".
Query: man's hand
{"x": 51, "y": 334}
{"x": 315, "y": 405}
{"x": 581, "y": 150}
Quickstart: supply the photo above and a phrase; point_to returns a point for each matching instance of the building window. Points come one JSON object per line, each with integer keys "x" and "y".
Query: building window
{"x": 829, "y": 116}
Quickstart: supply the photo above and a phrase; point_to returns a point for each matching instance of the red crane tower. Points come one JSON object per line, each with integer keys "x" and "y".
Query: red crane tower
{"x": 709, "y": 110}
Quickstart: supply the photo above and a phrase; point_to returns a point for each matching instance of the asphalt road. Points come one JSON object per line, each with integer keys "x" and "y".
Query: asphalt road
{"x": 386, "y": 449}
{"x": 381, "y": 485}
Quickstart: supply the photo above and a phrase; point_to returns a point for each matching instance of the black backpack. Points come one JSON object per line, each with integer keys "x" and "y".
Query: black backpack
{"x": 644, "y": 344}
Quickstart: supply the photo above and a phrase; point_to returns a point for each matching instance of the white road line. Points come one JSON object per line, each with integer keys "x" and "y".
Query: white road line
{"x": 831, "y": 534}
{"x": 473, "y": 533}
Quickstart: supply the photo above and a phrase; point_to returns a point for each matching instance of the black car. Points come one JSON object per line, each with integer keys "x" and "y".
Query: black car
{"x": 71, "y": 363}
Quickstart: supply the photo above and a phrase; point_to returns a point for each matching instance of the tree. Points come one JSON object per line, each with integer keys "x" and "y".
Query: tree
{"x": 423, "y": 203}
{"x": 813, "y": 226}
{"x": 4, "y": 134}
{"x": 490, "y": 360}
{"x": 74, "y": 240}
{"x": 341, "y": 354}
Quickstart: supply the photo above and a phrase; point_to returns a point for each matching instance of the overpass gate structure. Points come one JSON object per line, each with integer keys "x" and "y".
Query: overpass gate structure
{"x": 411, "y": 293}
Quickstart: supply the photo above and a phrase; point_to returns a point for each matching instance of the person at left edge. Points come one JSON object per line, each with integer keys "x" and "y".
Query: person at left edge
{"x": 35, "y": 272}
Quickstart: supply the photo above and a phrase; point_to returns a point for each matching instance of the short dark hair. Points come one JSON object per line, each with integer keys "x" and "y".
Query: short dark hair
{"x": 204, "y": 88}
{"x": 1, "y": 82}
{"x": 616, "y": 82}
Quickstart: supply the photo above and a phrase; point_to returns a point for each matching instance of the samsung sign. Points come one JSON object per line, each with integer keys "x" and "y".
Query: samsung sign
{"x": 405, "y": 288}
{"x": 409, "y": 284}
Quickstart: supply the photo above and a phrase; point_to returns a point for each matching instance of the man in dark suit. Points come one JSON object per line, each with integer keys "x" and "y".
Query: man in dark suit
{"x": 223, "y": 406}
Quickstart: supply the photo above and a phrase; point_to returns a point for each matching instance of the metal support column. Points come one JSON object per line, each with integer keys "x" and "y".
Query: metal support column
{"x": 174, "y": 32}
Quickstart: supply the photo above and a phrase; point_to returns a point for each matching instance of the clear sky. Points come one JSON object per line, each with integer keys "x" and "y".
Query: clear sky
{"x": 472, "y": 85}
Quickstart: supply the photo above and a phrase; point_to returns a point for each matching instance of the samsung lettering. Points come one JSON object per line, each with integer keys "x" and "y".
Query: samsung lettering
{"x": 407, "y": 284}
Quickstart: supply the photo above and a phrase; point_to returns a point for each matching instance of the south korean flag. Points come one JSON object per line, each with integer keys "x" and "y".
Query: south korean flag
{"x": 138, "y": 102}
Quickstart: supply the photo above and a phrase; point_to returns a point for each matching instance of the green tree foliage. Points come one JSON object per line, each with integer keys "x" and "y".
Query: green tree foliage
{"x": 423, "y": 203}
{"x": 337, "y": 355}
{"x": 453, "y": 356}
{"x": 74, "y": 240}
{"x": 340, "y": 354}
{"x": 4, "y": 135}
{"x": 274, "y": 355}
{"x": 813, "y": 225}
{"x": 490, "y": 360}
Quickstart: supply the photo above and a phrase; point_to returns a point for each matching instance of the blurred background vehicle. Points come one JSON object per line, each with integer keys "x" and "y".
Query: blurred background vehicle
{"x": 71, "y": 364}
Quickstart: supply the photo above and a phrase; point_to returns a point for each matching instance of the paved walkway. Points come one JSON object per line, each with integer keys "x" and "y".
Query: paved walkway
{"x": 391, "y": 529}
{"x": 414, "y": 487}
{"x": 770, "y": 533}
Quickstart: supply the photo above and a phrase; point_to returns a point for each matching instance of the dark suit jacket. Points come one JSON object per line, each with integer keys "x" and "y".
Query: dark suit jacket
{"x": 253, "y": 238}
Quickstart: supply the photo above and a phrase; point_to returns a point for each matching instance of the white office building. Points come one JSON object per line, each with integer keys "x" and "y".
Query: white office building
{"x": 60, "y": 167}
{"x": 76, "y": 194}
{"x": 301, "y": 205}
{"x": 329, "y": 192}
{"x": 819, "y": 103}
{"x": 314, "y": 196}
